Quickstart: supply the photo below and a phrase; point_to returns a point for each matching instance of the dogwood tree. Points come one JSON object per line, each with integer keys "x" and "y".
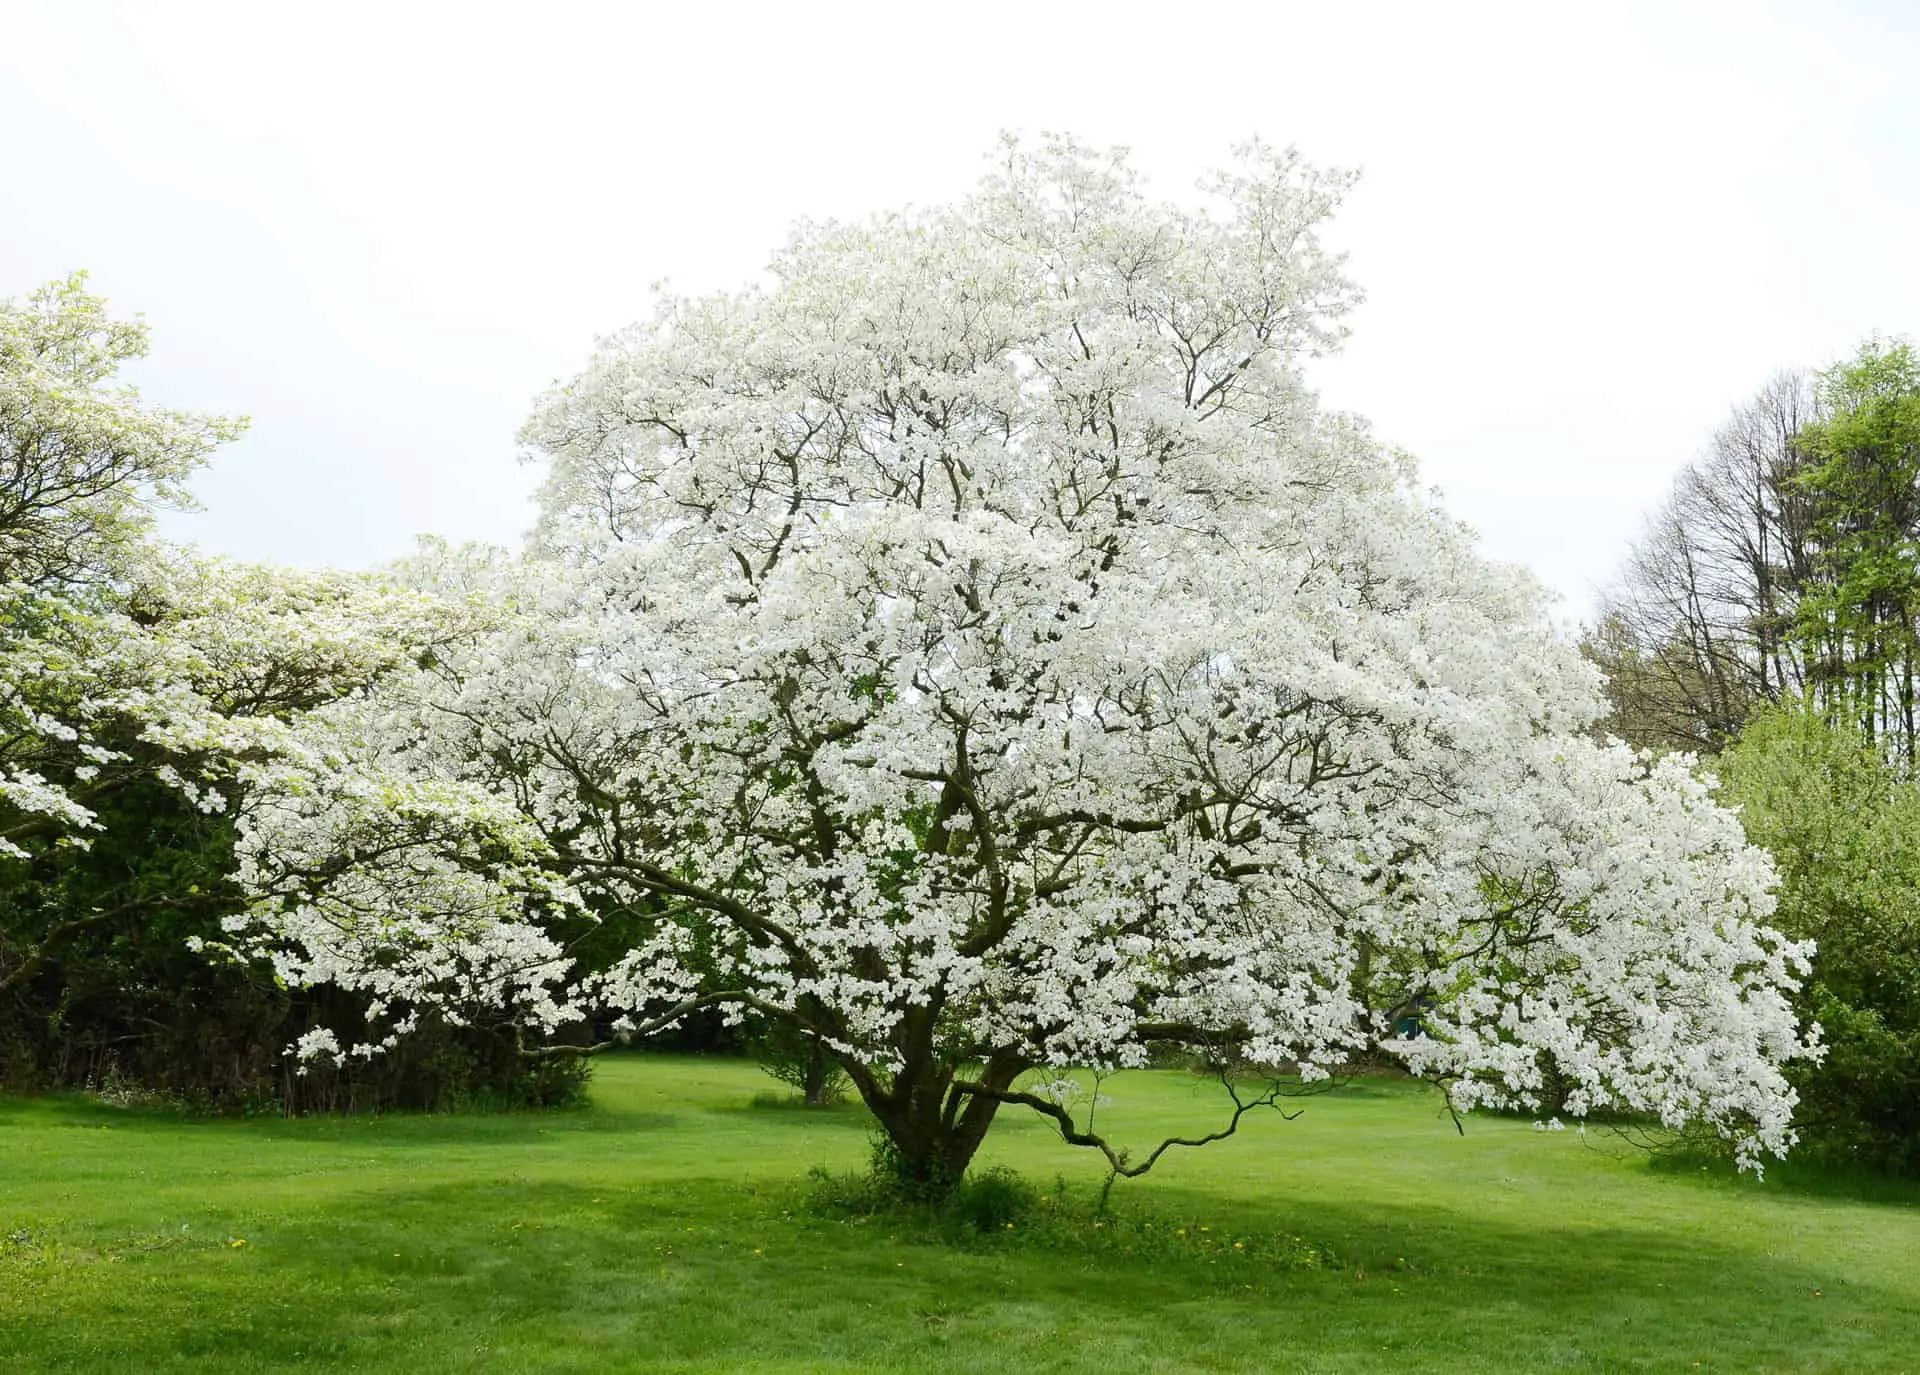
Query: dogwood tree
{"x": 123, "y": 662}
{"x": 977, "y": 649}
{"x": 82, "y": 462}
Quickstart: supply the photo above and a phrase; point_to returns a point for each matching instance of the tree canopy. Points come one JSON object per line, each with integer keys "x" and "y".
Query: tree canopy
{"x": 978, "y": 650}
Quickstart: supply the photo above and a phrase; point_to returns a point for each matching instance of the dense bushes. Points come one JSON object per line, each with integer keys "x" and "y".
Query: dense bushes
{"x": 102, "y": 988}
{"x": 1844, "y": 829}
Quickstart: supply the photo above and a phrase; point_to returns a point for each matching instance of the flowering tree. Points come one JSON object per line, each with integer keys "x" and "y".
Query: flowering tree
{"x": 978, "y": 651}
{"x": 138, "y": 683}
{"x": 83, "y": 461}
{"x": 186, "y": 673}
{"x": 81, "y": 464}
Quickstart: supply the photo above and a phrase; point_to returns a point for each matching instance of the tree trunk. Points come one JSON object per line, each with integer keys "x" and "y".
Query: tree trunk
{"x": 817, "y": 1091}
{"x": 933, "y": 1125}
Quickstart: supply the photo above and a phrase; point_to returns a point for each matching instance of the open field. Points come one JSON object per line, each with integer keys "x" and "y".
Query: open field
{"x": 666, "y": 1228}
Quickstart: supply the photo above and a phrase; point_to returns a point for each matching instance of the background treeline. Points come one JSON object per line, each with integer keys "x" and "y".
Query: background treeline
{"x": 138, "y": 686}
{"x": 102, "y": 989}
{"x": 1770, "y": 618}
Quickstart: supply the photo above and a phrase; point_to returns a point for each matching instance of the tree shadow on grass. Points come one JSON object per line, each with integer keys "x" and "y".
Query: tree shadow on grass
{"x": 679, "y": 1273}
{"x": 1809, "y": 1178}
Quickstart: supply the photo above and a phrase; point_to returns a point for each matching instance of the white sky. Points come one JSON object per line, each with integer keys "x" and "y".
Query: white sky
{"x": 1584, "y": 231}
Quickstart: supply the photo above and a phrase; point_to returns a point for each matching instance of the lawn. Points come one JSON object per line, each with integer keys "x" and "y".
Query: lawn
{"x": 668, "y": 1227}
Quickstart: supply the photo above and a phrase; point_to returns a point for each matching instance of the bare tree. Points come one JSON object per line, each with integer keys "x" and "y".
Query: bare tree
{"x": 1699, "y": 629}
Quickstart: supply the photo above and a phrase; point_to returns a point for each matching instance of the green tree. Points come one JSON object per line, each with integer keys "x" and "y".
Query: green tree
{"x": 1844, "y": 829}
{"x": 1856, "y": 617}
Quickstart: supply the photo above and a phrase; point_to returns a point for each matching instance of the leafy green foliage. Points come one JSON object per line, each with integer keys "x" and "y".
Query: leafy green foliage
{"x": 802, "y": 1062}
{"x": 1861, "y": 474}
{"x": 1844, "y": 829}
{"x": 103, "y": 986}
{"x": 103, "y": 982}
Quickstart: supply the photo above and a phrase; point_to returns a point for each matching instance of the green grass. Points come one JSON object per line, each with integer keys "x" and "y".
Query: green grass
{"x": 666, "y": 1228}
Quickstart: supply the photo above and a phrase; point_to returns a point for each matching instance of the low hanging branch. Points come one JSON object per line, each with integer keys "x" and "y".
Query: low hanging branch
{"x": 1118, "y": 1157}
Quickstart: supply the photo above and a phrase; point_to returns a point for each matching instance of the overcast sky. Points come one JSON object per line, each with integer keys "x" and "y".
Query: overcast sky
{"x": 1585, "y": 232}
